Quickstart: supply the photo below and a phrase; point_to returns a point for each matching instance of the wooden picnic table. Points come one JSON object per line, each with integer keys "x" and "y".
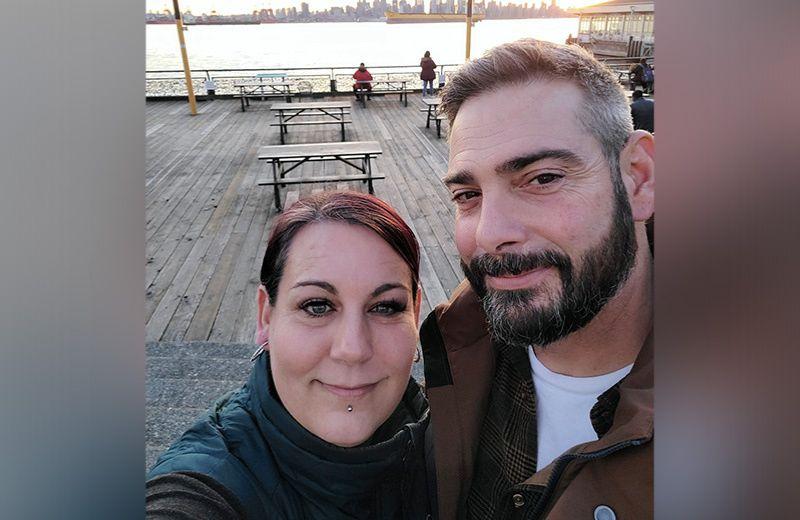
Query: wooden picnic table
{"x": 250, "y": 89}
{"x": 297, "y": 154}
{"x": 390, "y": 86}
{"x": 329, "y": 112}
{"x": 432, "y": 104}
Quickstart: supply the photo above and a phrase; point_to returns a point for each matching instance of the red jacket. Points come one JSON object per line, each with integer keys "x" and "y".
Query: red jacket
{"x": 361, "y": 75}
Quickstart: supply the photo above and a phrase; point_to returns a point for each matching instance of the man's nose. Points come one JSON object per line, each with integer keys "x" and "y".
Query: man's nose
{"x": 500, "y": 227}
{"x": 352, "y": 344}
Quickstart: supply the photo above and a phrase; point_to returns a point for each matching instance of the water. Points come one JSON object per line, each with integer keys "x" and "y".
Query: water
{"x": 338, "y": 44}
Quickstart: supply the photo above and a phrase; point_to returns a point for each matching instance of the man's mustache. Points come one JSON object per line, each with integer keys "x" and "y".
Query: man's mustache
{"x": 513, "y": 264}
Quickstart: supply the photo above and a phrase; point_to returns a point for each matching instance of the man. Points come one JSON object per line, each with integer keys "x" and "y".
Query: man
{"x": 641, "y": 75}
{"x": 539, "y": 368}
{"x": 642, "y": 112}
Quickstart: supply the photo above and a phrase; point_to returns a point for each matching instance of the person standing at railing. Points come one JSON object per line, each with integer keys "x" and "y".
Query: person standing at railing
{"x": 641, "y": 75}
{"x": 428, "y": 73}
{"x": 363, "y": 78}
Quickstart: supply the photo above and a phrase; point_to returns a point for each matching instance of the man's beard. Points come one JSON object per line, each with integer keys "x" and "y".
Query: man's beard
{"x": 514, "y": 316}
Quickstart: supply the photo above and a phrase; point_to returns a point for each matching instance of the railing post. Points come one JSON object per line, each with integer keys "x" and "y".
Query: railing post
{"x": 333, "y": 82}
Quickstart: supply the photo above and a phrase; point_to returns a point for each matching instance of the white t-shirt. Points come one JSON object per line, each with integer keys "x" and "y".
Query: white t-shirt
{"x": 563, "y": 404}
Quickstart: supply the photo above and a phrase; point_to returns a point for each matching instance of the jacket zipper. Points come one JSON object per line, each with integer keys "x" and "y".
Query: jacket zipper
{"x": 404, "y": 483}
{"x": 564, "y": 460}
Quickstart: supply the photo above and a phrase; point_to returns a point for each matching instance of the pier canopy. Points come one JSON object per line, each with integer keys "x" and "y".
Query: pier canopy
{"x": 618, "y": 28}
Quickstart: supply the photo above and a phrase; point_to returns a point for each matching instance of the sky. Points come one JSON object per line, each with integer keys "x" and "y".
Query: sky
{"x": 248, "y": 6}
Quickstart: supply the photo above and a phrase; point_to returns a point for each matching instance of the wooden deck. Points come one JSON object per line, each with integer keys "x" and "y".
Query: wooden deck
{"x": 208, "y": 221}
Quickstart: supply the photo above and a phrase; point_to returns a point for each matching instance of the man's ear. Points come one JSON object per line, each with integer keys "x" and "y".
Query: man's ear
{"x": 263, "y": 317}
{"x": 638, "y": 168}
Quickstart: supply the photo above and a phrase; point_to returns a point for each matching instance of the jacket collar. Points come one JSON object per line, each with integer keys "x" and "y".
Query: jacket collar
{"x": 323, "y": 471}
{"x": 624, "y": 412}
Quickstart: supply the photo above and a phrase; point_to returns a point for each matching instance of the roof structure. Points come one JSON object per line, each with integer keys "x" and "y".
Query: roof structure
{"x": 618, "y": 6}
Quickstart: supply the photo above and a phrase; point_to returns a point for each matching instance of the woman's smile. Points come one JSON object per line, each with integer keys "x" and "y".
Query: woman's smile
{"x": 349, "y": 391}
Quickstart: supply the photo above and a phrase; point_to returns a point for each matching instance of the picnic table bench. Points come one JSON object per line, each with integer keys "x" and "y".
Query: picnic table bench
{"x": 260, "y": 89}
{"x": 295, "y": 155}
{"x": 327, "y": 113}
{"x": 389, "y": 87}
{"x": 431, "y": 113}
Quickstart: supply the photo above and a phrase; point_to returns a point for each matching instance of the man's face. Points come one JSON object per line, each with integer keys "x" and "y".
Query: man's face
{"x": 545, "y": 234}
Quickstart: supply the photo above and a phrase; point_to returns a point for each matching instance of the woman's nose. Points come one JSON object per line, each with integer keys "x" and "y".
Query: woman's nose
{"x": 352, "y": 344}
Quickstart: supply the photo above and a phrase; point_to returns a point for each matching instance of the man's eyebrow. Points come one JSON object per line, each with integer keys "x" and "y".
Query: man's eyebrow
{"x": 316, "y": 283}
{"x": 460, "y": 177}
{"x": 387, "y": 287}
{"x": 518, "y": 163}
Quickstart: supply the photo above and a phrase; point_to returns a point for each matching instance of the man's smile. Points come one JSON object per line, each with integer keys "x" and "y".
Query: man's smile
{"x": 524, "y": 280}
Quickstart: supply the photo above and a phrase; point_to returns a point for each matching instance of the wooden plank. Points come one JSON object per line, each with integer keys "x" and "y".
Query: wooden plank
{"x": 318, "y": 179}
{"x": 314, "y": 122}
{"x": 301, "y": 151}
{"x": 310, "y": 105}
{"x": 178, "y": 237}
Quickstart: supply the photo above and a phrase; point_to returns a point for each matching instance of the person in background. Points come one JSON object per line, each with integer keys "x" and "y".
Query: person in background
{"x": 641, "y": 75}
{"x": 642, "y": 112}
{"x": 428, "y": 73}
{"x": 330, "y": 424}
{"x": 363, "y": 78}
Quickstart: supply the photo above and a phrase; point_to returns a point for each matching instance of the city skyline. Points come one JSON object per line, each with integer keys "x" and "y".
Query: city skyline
{"x": 228, "y": 7}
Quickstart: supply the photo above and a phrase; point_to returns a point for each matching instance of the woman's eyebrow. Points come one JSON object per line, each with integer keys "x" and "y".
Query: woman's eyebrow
{"x": 316, "y": 283}
{"x": 387, "y": 287}
{"x": 518, "y": 163}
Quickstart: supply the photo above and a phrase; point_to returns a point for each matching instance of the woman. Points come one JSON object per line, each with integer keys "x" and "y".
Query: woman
{"x": 330, "y": 424}
{"x": 428, "y": 73}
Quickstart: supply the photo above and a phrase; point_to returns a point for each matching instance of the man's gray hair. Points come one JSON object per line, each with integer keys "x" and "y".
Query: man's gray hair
{"x": 605, "y": 112}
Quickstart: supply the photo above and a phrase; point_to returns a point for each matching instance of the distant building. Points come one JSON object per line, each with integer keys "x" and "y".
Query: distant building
{"x": 618, "y": 28}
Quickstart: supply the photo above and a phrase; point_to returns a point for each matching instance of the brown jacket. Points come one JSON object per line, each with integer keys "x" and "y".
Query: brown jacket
{"x": 428, "y": 69}
{"x": 615, "y": 471}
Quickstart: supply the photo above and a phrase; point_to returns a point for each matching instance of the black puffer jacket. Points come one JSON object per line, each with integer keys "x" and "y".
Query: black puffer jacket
{"x": 277, "y": 469}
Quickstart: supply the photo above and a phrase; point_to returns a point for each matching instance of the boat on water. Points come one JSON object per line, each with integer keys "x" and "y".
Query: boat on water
{"x": 393, "y": 17}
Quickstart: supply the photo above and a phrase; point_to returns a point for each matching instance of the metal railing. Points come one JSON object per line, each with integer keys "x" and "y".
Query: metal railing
{"x": 305, "y": 80}
{"x": 322, "y": 80}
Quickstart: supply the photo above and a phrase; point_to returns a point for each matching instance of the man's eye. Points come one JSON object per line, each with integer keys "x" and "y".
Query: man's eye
{"x": 546, "y": 178}
{"x": 464, "y": 196}
{"x": 317, "y": 307}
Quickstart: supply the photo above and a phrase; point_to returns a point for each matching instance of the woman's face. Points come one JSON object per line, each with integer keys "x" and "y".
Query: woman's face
{"x": 343, "y": 331}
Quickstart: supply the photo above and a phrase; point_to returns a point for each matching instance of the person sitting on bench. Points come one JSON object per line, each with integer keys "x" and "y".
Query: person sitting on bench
{"x": 362, "y": 75}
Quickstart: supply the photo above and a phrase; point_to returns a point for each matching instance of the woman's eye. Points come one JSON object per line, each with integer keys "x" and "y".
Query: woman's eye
{"x": 388, "y": 308}
{"x": 317, "y": 307}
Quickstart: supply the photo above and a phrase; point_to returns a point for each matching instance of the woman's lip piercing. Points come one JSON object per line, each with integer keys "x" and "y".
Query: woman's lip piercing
{"x": 349, "y": 407}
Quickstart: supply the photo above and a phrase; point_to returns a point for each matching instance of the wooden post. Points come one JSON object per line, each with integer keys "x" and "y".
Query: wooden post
{"x": 469, "y": 27}
{"x": 186, "y": 72}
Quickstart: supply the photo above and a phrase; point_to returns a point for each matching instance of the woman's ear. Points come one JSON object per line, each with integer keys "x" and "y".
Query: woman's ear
{"x": 418, "y": 305}
{"x": 263, "y": 317}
